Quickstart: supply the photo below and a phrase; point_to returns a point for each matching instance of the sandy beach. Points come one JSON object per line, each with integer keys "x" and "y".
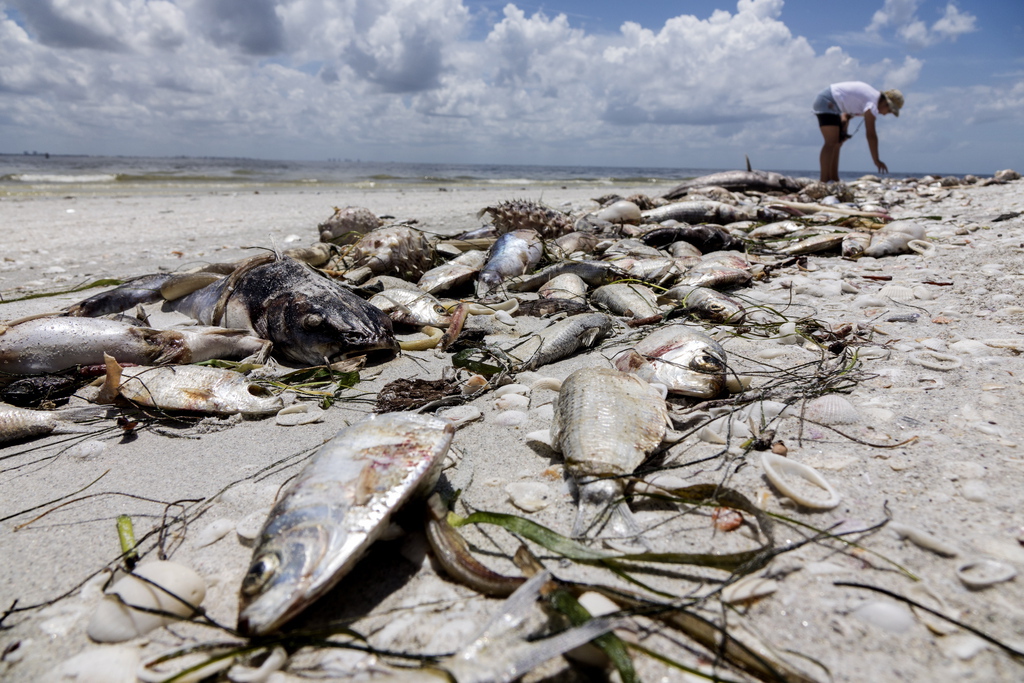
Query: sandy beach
{"x": 939, "y": 370}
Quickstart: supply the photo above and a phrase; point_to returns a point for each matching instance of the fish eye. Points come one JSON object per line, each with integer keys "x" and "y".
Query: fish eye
{"x": 261, "y": 571}
{"x": 440, "y": 310}
{"x": 311, "y": 321}
{"x": 708, "y": 362}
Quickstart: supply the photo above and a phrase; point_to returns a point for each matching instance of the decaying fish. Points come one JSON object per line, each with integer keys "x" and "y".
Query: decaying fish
{"x": 739, "y": 181}
{"x": 719, "y": 270}
{"x": 631, "y": 300}
{"x": 705, "y": 303}
{"x": 573, "y": 242}
{"x": 521, "y": 214}
{"x": 705, "y": 238}
{"x": 854, "y": 243}
{"x": 606, "y": 423}
{"x": 46, "y": 345}
{"x": 683, "y": 359}
{"x": 594, "y": 273}
{"x": 335, "y": 509}
{"x": 458, "y": 272}
{"x": 17, "y": 424}
{"x": 708, "y": 211}
{"x": 412, "y": 307}
{"x": 514, "y": 253}
{"x": 396, "y": 249}
{"x": 564, "y": 286}
{"x": 309, "y": 318}
{"x": 187, "y": 387}
{"x": 813, "y": 245}
{"x": 559, "y": 340}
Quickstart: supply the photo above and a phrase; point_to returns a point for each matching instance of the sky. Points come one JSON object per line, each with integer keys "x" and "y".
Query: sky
{"x": 566, "y": 82}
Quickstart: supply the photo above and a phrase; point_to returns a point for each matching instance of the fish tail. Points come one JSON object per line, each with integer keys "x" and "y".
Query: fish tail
{"x": 602, "y": 509}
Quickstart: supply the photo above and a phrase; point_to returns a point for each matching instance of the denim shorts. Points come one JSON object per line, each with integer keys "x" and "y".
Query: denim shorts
{"x": 826, "y": 109}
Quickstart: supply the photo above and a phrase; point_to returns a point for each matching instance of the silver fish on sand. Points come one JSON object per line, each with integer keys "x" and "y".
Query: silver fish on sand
{"x": 515, "y": 253}
{"x": 17, "y": 423}
{"x": 412, "y": 307}
{"x": 558, "y": 341}
{"x": 187, "y": 387}
{"x": 606, "y": 423}
{"x": 46, "y": 345}
{"x": 705, "y": 303}
{"x": 460, "y": 271}
{"x": 336, "y": 507}
{"x": 683, "y": 359}
{"x": 630, "y": 300}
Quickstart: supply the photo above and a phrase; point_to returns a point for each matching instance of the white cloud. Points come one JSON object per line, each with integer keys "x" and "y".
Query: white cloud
{"x": 900, "y": 17}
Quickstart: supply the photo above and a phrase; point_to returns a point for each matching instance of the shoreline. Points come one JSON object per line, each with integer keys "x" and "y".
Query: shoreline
{"x": 959, "y": 481}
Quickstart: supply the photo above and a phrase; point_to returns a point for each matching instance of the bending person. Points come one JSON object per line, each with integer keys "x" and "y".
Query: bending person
{"x": 834, "y": 107}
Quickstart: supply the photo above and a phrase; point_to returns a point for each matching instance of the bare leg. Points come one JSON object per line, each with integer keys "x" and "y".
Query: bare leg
{"x": 829, "y": 157}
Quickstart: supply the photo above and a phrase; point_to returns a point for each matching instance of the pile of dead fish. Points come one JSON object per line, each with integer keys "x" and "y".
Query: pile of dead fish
{"x": 368, "y": 290}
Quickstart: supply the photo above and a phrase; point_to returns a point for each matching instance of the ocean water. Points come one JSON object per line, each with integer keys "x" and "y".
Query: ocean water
{"x": 52, "y": 174}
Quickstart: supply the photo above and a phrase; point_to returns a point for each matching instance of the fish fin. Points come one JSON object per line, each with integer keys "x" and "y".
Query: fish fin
{"x": 749, "y": 169}
{"x": 589, "y": 336}
{"x": 112, "y": 381}
{"x": 601, "y": 509}
{"x": 366, "y": 485}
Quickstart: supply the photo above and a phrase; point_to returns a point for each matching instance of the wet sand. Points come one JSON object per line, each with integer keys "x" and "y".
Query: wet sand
{"x": 959, "y": 480}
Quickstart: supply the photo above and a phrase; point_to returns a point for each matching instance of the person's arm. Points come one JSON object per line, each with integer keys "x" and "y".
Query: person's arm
{"x": 869, "y": 131}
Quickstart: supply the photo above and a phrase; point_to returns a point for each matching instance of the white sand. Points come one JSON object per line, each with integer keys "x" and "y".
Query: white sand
{"x": 961, "y": 480}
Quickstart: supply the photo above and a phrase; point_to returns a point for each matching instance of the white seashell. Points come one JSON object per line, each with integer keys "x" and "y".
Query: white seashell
{"x": 971, "y": 347}
{"x": 529, "y": 496}
{"x": 97, "y": 665}
{"x": 504, "y": 317}
{"x": 976, "y": 491}
{"x": 783, "y": 473}
{"x": 511, "y": 389}
{"x": 934, "y": 360}
{"x": 461, "y": 415}
{"x": 869, "y": 301}
{"x": 897, "y": 292}
{"x": 923, "y": 293}
{"x": 983, "y": 572}
{"x": 213, "y": 532}
{"x": 86, "y": 450}
{"x": 510, "y": 418}
{"x": 114, "y": 621}
{"x": 748, "y": 588}
{"x": 736, "y": 384}
{"x": 299, "y": 414}
{"x": 934, "y": 344}
{"x": 249, "y": 527}
{"x": 708, "y": 434}
{"x": 872, "y": 353}
{"x": 923, "y": 247}
{"x": 541, "y": 435}
{"x": 923, "y": 539}
{"x": 549, "y": 383}
{"x": 622, "y": 211}
{"x": 545, "y": 412}
{"x": 831, "y": 409}
{"x": 886, "y": 615}
{"x": 788, "y": 335}
{"x": 771, "y": 354}
{"x": 512, "y": 402}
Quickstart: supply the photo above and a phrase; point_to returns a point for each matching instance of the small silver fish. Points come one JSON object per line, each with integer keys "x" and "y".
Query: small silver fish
{"x": 705, "y": 303}
{"x": 566, "y": 286}
{"x": 686, "y": 361}
{"x": 855, "y": 243}
{"x": 606, "y": 423}
{"x": 461, "y": 270}
{"x": 335, "y": 509}
{"x": 47, "y": 345}
{"x": 559, "y": 340}
{"x": 630, "y": 300}
{"x": 514, "y": 253}
{"x": 21, "y": 423}
{"x": 187, "y": 387}
{"x": 411, "y": 307}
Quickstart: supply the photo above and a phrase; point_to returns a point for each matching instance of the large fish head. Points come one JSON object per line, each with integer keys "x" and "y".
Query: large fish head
{"x": 686, "y": 361}
{"x": 278, "y": 584}
{"x": 318, "y": 327}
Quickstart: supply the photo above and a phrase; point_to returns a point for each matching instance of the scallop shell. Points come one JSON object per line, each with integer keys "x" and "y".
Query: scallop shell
{"x": 897, "y": 292}
{"x": 831, "y": 409}
{"x": 983, "y": 572}
{"x": 783, "y": 473}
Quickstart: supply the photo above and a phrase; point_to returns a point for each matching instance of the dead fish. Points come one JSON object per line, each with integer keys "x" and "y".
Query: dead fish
{"x": 705, "y": 303}
{"x": 187, "y": 387}
{"x": 458, "y": 272}
{"x": 412, "y": 307}
{"x": 708, "y": 211}
{"x": 140, "y": 290}
{"x": 719, "y": 270}
{"x": 395, "y": 249}
{"x": 686, "y": 361}
{"x": 336, "y": 507}
{"x": 565, "y": 286}
{"x": 17, "y": 424}
{"x": 309, "y": 318}
{"x": 777, "y": 229}
{"x": 559, "y": 340}
{"x": 514, "y": 253}
{"x": 660, "y": 271}
{"x": 813, "y": 245}
{"x": 606, "y": 423}
{"x": 740, "y": 181}
{"x": 706, "y": 238}
{"x": 594, "y": 273}
{"x": 630, "y": 300}
{"x": 520, "y": 214}
{"x": 47, "y": 345}
{"x": 573, "y": 242}
{"x": 630, "y": 248}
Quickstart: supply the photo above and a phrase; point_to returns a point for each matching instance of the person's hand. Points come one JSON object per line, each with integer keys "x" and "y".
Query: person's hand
{"x": 882, "y": 168}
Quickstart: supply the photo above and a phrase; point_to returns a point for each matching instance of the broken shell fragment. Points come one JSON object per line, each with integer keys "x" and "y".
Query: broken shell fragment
{"x": 790, "y": 478}
{"x": 299, "y": 414}
{"x": 983, "y": 572}
{"x": 748, "y": 588}
{"x": 165, "y": 586}
{"x": 529, "y": 496}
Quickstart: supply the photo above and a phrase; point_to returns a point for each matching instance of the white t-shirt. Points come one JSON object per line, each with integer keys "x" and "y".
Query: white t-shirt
{"x": 855, "y": 98}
